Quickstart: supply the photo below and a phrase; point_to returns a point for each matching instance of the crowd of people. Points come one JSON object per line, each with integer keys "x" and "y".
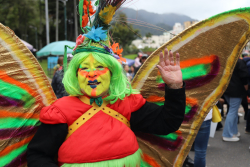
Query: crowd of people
{"x": 133, "y": 69}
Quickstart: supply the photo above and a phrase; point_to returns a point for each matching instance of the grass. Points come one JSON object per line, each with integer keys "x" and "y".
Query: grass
{"x": 131, "y": 56}
{"x": 44, "y": 64}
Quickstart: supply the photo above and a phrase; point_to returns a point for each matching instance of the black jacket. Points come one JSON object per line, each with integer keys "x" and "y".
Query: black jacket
{"x": 57, "y": 84}
{"x": 150, "y": 118}
{"x": 238, "y": 80}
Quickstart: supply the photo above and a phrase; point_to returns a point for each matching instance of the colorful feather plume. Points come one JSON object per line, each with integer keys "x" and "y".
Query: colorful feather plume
{"x": 105, "y": 12}
{"x": 106, "y": 15}
{"x": 117, "y": 51}
{"x": 87, "y": 11}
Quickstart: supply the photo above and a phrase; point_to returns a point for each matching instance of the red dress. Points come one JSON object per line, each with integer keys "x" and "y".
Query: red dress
{"x": 102, "y": 137}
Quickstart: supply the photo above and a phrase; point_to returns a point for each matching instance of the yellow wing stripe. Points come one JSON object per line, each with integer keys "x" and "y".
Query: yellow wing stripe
{"x": 27, "y": 62}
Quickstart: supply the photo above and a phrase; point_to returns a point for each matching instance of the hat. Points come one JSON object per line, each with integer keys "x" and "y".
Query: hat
{"x": 95, "y": 37}
{"x": 69, "y": 57}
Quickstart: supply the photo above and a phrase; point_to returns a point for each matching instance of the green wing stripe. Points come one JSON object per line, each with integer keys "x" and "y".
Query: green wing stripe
{"x": 171, "y": 136}
{"x": 159, "y": 103}
{"x": 195, "y": 71}
{"x": 6, "y": 123}
{"x": 12, "y": 155}
{"x": 191, "y": 72}
{"x": 144, "y": 164}
{"x": 15, "y": 92}
{"x": 187, "y": 109}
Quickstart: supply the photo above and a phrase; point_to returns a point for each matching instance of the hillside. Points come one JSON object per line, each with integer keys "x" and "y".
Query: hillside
{"x": 165, "y": 21}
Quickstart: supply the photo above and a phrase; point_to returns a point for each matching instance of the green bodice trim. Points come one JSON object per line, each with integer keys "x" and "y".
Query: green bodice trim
{"x": 133, "y": 160}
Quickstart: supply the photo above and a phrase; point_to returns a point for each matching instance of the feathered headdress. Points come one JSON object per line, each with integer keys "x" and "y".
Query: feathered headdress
{"x": 95, "y": 37}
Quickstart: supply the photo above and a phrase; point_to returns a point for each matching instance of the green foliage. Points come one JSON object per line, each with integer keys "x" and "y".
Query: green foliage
{"x": 122, "y": 32}
{"x": 131, "y": 56}
{"x": 22, "y": 16}
{"x": 19, "y": 15}
{"x": 148, "y": 35}
{"x": 132, "y": 49}
{"x": 148, "y": 49}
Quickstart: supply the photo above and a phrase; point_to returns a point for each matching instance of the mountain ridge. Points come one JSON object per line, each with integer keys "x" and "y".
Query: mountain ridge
{"x": 165, "y": 21}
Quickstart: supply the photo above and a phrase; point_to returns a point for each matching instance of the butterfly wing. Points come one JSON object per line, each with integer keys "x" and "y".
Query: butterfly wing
{"x": 209, "y": 51}
{"x": 24, "y": 90}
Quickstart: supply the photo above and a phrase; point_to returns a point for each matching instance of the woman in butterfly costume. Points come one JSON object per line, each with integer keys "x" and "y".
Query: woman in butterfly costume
{"x": 94, "y": 126}
{"x": 83, "y": 134}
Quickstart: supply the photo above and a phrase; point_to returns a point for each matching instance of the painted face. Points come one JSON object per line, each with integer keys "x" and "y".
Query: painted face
{"x": 93, "y": 77}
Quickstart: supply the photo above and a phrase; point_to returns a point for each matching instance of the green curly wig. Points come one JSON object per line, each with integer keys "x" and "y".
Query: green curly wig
{"x": 119, "y": 84}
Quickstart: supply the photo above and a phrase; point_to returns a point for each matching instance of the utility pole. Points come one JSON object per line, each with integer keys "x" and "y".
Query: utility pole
{"x": 47, "y": 21}
{"x": 65, "y": 17}
{"x": 57, "y": 6}
{"x": 75, "y": 16}
{"x": 36, "y": 38}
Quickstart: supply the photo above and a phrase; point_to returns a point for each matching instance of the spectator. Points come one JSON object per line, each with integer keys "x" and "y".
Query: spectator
{"x": 244, "y": 54}
{"x": 247, "y": 115}
{"x": 220, "y": 106}
{"x": 126, "y": 69}
{"x": 233, "y": 95}
{"x": 143, "y": 59}
{"x": 201, "y": 141}
{"x": 132, "y": 71}
{"x": 200, "y": 144}
{"x": 138, "y": 60}
{"x": 59, "y": 65}
{"x": 57, "y": 84}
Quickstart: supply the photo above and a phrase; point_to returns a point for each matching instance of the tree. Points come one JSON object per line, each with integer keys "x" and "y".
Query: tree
{"x": 19, "y": 15}
{"x": 22, "y": 15}
{"x": 122, "y": 32}
{"x": 148, "y": 35}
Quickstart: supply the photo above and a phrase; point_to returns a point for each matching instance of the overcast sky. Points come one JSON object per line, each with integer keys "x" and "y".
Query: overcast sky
{"x": 196, "y": 9}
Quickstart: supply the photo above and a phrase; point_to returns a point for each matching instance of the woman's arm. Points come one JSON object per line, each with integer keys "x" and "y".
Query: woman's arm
{"x": 43, "y": 148}
{"x": 165, "y": 119}
{"x": 161, "y": 120}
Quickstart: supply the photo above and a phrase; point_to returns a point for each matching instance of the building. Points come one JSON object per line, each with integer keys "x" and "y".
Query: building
{"x": 189, "y": 23}
{"x": 155, "y": 41}
{"x": 177, "y": 28}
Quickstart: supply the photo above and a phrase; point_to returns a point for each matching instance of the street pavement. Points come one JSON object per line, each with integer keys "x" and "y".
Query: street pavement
{"x": 228, "y": 154}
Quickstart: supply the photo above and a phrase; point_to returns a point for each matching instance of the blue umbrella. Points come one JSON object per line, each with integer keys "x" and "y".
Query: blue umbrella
{"x": 130, "y": 62}
{"x": 55, "y": 48}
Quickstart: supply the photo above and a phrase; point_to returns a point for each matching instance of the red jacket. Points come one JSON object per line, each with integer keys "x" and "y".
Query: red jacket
{"x": 100, "y": 138}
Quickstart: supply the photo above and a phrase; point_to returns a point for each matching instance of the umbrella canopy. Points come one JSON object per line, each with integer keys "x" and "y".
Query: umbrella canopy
{"x": 130, "y": 62}
{"x": 29, "y": 46}
{"x": 55, "y": 48}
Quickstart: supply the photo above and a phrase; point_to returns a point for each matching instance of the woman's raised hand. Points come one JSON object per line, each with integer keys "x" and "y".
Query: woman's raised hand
{"x": 170, "y": 70}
